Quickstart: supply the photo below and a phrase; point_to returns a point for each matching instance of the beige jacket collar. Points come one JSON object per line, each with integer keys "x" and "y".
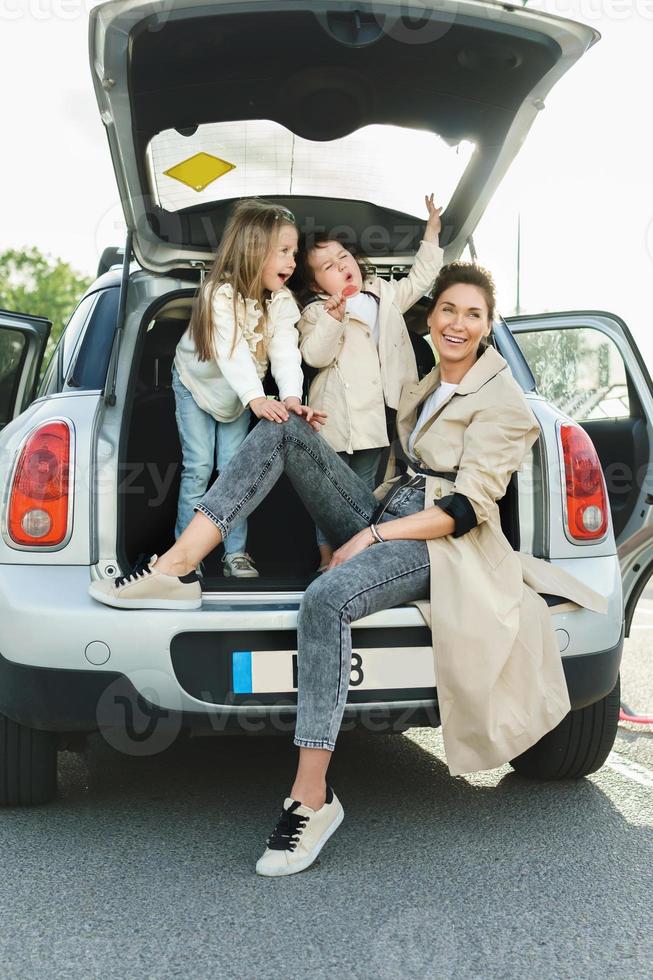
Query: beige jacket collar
{"x": 489, "y": 364}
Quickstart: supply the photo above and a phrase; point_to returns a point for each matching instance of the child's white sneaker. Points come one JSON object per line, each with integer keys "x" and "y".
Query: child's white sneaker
{"x": 239, "y": 565}
{"x": 299, "y": 836}
{"x": 145, "y": 587}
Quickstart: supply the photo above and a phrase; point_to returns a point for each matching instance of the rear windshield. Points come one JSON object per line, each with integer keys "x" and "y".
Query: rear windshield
{"x": 384, "y": 165}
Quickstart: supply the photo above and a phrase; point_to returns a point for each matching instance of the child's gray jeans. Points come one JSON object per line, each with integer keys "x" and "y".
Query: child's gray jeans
{"x": 383, "y": 575}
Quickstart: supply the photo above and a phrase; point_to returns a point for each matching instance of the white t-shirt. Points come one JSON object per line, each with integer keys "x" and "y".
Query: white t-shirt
{"x": 365, "y": 308}
{"x": 443, "y": 391}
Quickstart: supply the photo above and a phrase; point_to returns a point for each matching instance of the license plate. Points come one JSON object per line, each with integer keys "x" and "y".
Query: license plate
{"x": 275, "y": 671}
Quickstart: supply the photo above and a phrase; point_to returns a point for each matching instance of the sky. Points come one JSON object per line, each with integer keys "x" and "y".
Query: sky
{"x": 582, "y": 183}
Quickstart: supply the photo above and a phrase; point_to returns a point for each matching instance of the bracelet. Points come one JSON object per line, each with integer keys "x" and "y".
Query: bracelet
{"x": 375, "y": 534}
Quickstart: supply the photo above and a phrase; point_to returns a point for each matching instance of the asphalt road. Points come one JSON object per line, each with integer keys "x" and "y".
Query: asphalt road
{"x": 144, "y": 866}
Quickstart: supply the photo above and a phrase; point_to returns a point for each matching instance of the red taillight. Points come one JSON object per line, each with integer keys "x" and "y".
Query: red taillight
{"x": 587, "y": 503}
{"x": 38, "y": 500}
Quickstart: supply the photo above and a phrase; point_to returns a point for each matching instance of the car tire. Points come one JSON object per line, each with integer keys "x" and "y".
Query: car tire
{"x": 28, "y": 765}
{"x": 576, "y": 747}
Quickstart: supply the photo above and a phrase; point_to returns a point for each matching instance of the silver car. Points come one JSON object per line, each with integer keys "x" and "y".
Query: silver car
{"x": 346, "y": 116}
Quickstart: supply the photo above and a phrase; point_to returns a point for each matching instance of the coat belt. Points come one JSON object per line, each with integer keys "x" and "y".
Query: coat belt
{"x": 425, "y": 471}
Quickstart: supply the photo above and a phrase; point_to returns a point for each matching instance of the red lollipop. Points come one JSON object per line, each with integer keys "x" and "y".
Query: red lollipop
{"x": 349, "y": 291}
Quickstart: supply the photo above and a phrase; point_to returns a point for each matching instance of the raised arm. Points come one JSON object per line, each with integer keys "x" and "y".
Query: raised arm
{"x": 427, "y": 263}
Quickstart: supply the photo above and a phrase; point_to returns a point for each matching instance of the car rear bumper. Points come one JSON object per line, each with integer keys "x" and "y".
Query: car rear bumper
{"x": 88, "y": 700}
{"x": 69, "y": 664}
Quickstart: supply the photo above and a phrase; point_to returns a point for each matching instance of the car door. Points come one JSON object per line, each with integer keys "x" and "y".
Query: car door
{"x": 587, "y": 364}
{"x": 22, "y": 344}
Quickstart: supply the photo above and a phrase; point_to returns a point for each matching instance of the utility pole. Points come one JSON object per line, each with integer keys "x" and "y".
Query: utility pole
{"x": 518, "y": 297}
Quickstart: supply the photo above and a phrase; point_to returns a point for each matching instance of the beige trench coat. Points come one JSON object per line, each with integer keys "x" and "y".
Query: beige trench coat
{"x": 356, "y": 382}
{"x": 499, "y": 674}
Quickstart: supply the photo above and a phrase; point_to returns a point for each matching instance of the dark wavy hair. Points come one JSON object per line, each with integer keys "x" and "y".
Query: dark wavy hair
{"x": 470, "y": 275}
{"x": 302, "y": 282}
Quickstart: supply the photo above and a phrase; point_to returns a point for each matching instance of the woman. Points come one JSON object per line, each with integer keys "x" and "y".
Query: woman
{"x": 465, "y": 429}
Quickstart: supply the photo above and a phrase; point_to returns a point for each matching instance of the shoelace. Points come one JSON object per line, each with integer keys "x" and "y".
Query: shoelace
{"x": 287, "y": 832}
{"x": 139, "y": 570}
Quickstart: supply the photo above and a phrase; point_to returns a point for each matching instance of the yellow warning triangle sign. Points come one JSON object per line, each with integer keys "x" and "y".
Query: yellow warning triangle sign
{"x": 200, "y": 170}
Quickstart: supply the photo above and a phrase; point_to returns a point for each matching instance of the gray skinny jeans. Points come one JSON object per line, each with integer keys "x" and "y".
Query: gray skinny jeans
{"x": 365, "y": 463}
{"x": 384, "y": 575}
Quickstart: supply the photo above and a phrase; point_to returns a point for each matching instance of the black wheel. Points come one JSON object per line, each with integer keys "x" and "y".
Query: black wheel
{"x": 579, "y": 745}
{"x": 28, "y": 765}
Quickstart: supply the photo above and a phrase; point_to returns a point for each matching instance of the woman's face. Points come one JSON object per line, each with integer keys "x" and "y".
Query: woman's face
{"x": 279, "y": 264}
{"x": 458, "y": 323}
{"x": 333, "y": 268}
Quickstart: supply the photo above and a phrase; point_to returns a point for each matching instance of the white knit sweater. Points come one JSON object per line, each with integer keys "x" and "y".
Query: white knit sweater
{"x": 224, "y": 386}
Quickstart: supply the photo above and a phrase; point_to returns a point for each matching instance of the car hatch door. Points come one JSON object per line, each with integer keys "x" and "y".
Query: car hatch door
{"x": 204, "y": 103}
{"x": 588, "y": 365}
{"x": 22, "y": 344}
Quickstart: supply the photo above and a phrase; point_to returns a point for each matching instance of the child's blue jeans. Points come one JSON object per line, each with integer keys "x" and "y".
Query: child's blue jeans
{"x": 205, "y": 444}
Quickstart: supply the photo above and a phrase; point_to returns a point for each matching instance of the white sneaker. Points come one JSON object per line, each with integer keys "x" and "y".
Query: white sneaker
{"x": 239, "y": 565}
{"x": 299, "y": 836}
{"x": 145, "y": 587}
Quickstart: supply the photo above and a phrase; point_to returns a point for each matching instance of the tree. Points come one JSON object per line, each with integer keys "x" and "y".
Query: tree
{"x": 32, "y": 282}
{"x": 555, "y": 357}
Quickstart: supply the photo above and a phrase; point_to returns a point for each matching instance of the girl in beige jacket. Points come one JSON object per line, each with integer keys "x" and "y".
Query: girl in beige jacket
{"x": 354, "y": 333}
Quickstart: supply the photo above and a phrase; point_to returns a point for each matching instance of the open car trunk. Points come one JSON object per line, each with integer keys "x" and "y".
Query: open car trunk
{"x": 281, "y": 534}
{"x": 208, "y": 101}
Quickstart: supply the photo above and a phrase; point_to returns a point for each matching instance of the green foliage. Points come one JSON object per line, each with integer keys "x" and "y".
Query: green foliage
{"x": 554, "y": 357}
{"x": 31, "y": 282}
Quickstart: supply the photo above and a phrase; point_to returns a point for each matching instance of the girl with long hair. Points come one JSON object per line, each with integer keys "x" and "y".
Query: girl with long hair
{"x": 242, "y": 322}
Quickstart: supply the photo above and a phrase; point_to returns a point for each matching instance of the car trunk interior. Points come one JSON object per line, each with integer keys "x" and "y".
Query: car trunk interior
{"x": 281, "y": 535}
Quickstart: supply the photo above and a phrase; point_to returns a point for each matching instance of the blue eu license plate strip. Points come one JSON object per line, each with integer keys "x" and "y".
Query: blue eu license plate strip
{"x": 241, "y": 663}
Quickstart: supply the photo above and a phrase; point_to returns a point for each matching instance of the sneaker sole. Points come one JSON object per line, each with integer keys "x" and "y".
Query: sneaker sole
{"x": 292, "y": 869}
{"x": 144, "y": 603}
{"x": 228, "y": 574}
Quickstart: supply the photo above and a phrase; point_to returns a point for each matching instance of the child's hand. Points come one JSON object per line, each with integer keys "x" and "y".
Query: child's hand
{"x": 433, "y": 225}
{"x": 269, "y": 408}
{"x": 335, "y": 306}
{"x": 314, "y": 418}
